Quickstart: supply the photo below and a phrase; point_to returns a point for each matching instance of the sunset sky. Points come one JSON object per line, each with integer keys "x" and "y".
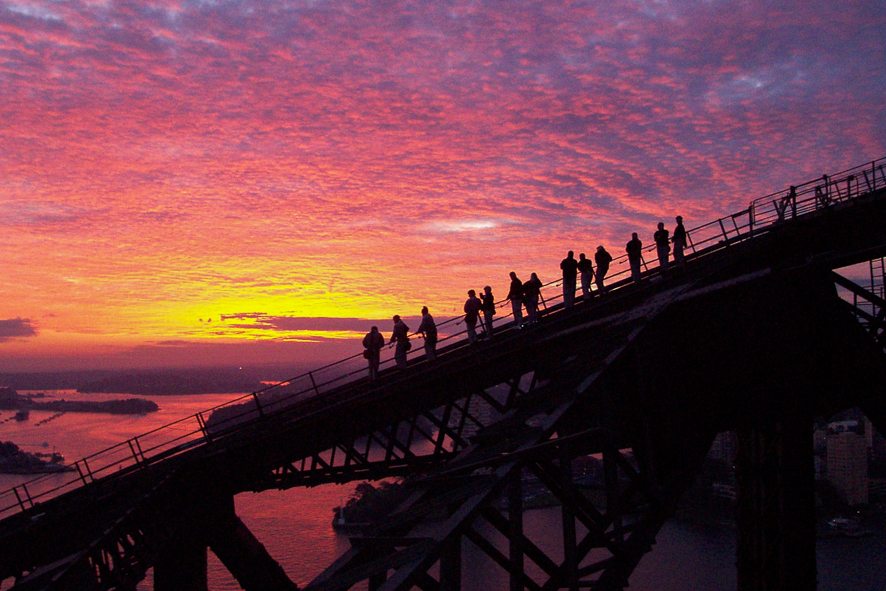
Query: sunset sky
{"x": 238, "y": 182}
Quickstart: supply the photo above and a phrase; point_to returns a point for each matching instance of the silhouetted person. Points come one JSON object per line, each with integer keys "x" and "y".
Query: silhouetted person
{"x": 570, "y": 270}
{"x": 662, "y": 245}
{"x": 586, "y": 269}
{"x": 634, "y": 248}
{"x": 602, "y": 258}
{"x": 400, "y": 336}
{"x": 531, "y": 294}
{"x": 679, "y": 240}
{"x": 428, "y": 330}
{"x": 515, "y": 294}
{"x": 373, "y": 343}
{"x": 488, "y": 307}
{"x": 472, "y": 314}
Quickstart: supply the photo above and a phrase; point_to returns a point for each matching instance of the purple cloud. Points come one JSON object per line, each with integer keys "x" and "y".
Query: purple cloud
{"x": 259, "y": 320}
{"x": 16, "y": 327}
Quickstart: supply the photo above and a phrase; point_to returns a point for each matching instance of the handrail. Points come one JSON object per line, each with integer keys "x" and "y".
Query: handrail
{"x": 762, "y": 215}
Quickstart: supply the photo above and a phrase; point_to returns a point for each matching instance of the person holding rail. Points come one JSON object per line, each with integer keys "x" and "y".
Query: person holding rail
{"x": 570, "y": 269}
{"x": 586, "y": 270}
{"x": 373, "y": 343}
{"x": 400, "y": 338}
{"x": 662, "y": 246}
{"x": 515, "y": 294}
{"x": 428, "y": 330}
{"x": 679, "y": 240}
{"x": 488, "y": 305}
{"x": 472, "y": 314}
{"x": 634, "y": 248}
{"x": 602, "y": 258}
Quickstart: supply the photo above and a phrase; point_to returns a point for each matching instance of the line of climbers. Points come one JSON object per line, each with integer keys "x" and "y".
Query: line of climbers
{"x": 524, "y": 295}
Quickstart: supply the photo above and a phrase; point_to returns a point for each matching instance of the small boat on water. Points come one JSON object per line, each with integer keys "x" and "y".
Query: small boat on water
{"x": 341, "y": 524}
{"x": 846, "y": 527}
{"x": 22, "y": 415}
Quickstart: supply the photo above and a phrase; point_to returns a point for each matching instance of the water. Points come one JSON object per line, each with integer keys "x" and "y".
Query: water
{"x": 294, "y": 525}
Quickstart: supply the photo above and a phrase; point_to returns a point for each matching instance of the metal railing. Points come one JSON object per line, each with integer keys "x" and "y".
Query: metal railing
{"x": 200, "y": 429}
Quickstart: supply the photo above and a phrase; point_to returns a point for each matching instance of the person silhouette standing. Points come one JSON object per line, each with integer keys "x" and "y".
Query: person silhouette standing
{"x": 488, "y": 305}
{"x": 602, "y": 258}
{"x": 400, "y": 337}
{"x": 531, "y": 294}
{"x": 586, "y": 268}
{"x": 472, "y": 314}
{"x": 662, "y": 245}
{"x": 679, "y": 240}
{"x": 570, "y": 269}
{"x": 634, "y": 248}
{"x": 373, "y": 343}
{"x": 515, "y": 294}
{"x": 428, "y": 330}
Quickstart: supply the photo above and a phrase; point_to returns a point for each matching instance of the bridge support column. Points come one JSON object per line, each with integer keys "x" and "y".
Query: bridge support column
{"x": 450, "y": 566}
{"x": 776, "y": 505}
{"x": 182, "y": 566}
{"x": 515, "y": 531}
{"x": 243, "y": 554}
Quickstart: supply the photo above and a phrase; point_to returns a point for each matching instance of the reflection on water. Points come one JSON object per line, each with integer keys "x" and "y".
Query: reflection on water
{"x": 294, "y": 525}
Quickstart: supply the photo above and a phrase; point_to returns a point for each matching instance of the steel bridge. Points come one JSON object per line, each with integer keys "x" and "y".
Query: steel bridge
{"x": 755, "y": 333}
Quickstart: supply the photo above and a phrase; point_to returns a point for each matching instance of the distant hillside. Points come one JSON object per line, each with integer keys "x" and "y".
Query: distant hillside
{"x": 199, "y": 380}
{"x": 12, "y": 400}
{"x": 61, "y": 380}
{"x": 158, "y": 383}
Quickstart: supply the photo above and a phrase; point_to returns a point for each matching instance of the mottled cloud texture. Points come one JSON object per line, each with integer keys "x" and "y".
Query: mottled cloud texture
{"x": 165, "y": 162}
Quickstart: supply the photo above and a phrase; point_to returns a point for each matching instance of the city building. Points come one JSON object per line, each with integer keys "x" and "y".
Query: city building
{"x": 847, "y": 461}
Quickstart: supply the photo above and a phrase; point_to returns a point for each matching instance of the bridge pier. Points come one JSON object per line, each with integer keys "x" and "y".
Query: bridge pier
{"x": 243, "y": 554}
{"x": 775, "y": 510}
{"x": 182, "y": 566}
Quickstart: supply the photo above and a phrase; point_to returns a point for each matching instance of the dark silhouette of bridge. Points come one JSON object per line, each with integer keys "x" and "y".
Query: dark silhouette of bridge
{"x": 756, "y": 334}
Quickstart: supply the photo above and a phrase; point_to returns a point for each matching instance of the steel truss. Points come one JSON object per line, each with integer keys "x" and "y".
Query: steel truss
{"x": 480, "y": 504}
{"x": 420, "y": 543}
{"x": 428, "y": 438}
{"x": 117, "y": 559}
{"x": 868, "y": 307}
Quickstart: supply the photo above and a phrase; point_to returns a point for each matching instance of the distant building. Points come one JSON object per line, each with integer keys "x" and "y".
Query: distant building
{"x": 877, "y": 489}
{"x": 847, "y": 461}
{"x": 878, "y": 447}
{"x": 724, "y": 448}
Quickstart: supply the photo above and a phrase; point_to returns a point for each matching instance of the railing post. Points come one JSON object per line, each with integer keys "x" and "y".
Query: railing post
{"x": 723, "y": 229}
{"x": 203, "y": 430}
{"x": 18, "y": 498}
{"x": 135, "y": 457}
{"x": 27, "y": 494}
{"x": 88, "y": 469}
{"x": 261, "y": 411}
{"x": 313, "y": 383}
{"x": 80, "y": 472}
